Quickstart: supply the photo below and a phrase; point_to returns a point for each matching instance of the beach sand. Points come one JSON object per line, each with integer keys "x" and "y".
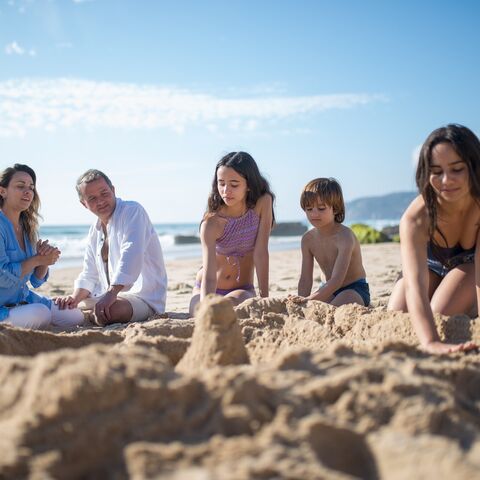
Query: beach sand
{"x": 269, "y": 390}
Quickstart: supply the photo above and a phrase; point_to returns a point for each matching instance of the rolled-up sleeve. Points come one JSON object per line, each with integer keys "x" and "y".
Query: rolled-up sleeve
{"x": 88, "y": 279}
{"x": 37, "y": 282}
{"x": 10, "y": 272}
{"x": 132, "y": 249}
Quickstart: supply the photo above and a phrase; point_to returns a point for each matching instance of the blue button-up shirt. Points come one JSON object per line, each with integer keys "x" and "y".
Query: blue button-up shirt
{"x": 13, "y": 287}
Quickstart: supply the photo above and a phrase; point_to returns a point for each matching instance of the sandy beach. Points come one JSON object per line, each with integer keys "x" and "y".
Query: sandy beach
{"x": 269, "y": 390}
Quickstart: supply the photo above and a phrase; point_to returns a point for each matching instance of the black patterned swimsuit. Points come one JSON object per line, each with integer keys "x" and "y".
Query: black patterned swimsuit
{"x": 441, "y": 260}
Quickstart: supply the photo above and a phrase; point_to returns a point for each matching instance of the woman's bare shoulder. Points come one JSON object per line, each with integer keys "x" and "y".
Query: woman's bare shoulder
{"x": 415, "y": 212}
{"x": 415, "y": 220}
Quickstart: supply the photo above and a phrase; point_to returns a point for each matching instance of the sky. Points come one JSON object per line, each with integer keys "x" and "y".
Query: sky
{"x": 155, "y": 92}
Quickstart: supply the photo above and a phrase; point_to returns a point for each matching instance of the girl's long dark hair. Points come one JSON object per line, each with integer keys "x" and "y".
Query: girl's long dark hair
{"x": 244, "y": 164}
{"x": 467, "y": 146}
{"x": 28, "y": 218}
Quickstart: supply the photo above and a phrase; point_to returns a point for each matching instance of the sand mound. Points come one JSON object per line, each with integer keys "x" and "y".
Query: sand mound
{"x": 217, "y": 339}
{"x": 329, "y": 393}
{"x": 169, "y": 336}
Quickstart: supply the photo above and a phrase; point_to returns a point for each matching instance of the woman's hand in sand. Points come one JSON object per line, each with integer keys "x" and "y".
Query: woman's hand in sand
{"x": 440, "y": 348}
{"x": 66, "y": 302}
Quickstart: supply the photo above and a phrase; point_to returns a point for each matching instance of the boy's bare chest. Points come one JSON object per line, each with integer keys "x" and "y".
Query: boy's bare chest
{"x": 325, "y": 253}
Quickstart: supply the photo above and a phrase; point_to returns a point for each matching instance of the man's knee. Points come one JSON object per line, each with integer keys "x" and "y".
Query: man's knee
{"x": 121, "y": 311}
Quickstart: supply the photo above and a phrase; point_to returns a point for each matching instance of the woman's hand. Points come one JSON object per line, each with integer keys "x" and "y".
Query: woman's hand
{"x": 47, "y": 254}
{"x": 440, "y": 348}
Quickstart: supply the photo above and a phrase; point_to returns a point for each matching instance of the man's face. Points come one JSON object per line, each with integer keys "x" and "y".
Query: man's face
{"x": 99, "y": 198}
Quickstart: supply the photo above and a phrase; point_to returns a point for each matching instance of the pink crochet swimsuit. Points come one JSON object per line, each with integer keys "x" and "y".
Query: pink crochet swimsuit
{"x": 238, "y": 237}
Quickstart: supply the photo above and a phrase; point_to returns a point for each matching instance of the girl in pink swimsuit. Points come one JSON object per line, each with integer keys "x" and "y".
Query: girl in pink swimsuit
{"x": 235, "y": 231}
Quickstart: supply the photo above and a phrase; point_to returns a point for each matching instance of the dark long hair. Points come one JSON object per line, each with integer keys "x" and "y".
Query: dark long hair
{"x": 28, "y": 218}
{"x": 244, "y": 164}
{"x": 467, "y": 146}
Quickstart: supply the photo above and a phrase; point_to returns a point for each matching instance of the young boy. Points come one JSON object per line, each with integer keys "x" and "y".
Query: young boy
{"x": 333, "y": 246}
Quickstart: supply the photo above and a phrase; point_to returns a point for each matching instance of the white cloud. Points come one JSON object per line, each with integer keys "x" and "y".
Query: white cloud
{"x": 63, "y": 103}
{"x": 20, "y": 5}
{"x": 14, "y": 48}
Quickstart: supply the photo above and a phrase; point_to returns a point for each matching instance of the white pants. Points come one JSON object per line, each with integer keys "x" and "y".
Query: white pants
{"x": 39, "y": 316}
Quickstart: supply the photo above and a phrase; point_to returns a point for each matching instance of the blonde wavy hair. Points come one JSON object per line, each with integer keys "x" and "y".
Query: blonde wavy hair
{"x": 29, "y": 219}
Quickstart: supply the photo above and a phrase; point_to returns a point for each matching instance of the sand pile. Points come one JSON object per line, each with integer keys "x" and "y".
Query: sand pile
{"x": 328, "y": 393}
{"x": 217, "y": 338}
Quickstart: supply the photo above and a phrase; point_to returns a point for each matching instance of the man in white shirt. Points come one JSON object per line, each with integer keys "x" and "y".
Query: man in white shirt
{"x": 123, "y": 277}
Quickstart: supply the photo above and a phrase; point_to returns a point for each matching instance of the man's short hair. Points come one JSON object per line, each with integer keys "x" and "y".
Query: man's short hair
{"x": 327, "y": 191}
{"x": 90, "y": 176}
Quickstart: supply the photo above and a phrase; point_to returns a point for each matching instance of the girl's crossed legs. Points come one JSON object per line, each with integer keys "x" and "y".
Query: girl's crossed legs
{"x": 236, "y": 295}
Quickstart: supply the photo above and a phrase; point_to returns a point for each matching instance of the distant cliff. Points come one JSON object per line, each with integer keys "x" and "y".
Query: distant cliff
{"x": 390, "y": 206}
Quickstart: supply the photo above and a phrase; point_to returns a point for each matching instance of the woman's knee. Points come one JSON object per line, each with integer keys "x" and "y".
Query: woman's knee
{"x": 441, "y": 307}
{"x": 67, "y": 318}
{"x": 36, "y": 316}
{"x": 397, "y": 301}
{"x": 41, "y": 316}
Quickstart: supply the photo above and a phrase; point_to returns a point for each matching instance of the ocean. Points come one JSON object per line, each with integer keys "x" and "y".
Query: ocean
{"x": 178, "y": 240}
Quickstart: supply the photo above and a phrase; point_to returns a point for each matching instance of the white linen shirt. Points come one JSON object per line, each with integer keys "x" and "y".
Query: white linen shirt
{"x": 135, "y": 257}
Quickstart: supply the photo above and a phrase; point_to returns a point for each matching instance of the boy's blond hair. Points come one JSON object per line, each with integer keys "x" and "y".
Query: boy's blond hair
{"x": 327, "y": 191}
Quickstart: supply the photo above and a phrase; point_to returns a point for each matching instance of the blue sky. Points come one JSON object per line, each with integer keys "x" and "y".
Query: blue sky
{"x": 155, "y": 92}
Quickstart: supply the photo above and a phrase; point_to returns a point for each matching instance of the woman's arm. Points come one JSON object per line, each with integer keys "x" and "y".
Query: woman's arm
{"x": 413, "y": 248}
{"x": 11, "y": 273}
{"x": 260, "y": 252}
{"x": 345, "y": 246}
{"x": 306, "y": 276}
{"x": 43, "y": 248}
{"x": 477, "y": 270}
{"x": 208, "y": 236}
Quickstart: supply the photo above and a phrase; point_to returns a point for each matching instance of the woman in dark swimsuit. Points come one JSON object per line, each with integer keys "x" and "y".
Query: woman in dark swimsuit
{"x": 439, "y": 233}
{"x": 235, "y": 231}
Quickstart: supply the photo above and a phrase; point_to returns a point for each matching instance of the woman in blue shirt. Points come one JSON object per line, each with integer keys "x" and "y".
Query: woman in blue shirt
{"x": 24, "y": 258}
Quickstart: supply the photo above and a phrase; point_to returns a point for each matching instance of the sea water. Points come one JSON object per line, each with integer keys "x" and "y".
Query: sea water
{"x": 72, "y": 240}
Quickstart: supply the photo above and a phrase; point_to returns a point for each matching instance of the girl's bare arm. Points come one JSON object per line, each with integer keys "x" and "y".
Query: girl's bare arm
{"x": 260, "y": 252}
{"x": 208, "y": 236}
